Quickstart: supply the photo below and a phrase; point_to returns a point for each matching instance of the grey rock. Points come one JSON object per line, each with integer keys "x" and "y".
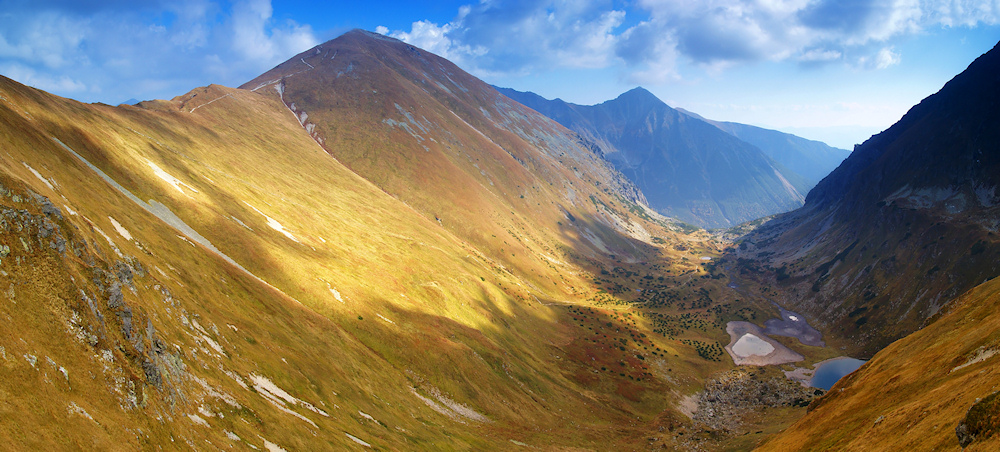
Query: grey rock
{"x": 152, "y": 372}
{"x": 124, "y": 273}
{"x": 115, "y": 297}
{"x": 964, "y": 437}
{"x": 126, "y": 317}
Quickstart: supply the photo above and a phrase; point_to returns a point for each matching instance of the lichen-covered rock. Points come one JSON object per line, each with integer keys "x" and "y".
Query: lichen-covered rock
{"x": 153, "y": 376}
{"x": 115, "y": 297}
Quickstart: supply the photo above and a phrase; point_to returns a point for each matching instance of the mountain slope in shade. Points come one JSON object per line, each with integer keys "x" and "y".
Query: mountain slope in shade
{"x": 915, "y": 393}
{"x": 687, "y": 168}
{"x": 908, "y": 222}
{"x": 810, "y": 159}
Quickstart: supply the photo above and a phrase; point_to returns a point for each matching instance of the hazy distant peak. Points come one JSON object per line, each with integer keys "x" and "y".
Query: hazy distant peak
{"x": 694, "y": 115}
{"x": 639, "y": 94}
{"x": 523, "y": 94}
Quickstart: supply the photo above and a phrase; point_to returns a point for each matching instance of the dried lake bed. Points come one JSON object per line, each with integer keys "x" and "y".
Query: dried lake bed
{"x": 749, "y": 345}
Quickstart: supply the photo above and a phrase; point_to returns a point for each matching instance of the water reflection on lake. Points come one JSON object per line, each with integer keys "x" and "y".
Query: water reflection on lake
{"x": 830, "y": 371}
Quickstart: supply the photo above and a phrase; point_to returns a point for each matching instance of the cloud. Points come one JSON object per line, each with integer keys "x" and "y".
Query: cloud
{"x": 819, "y": 56}
{"x": 963, "y": 13}
{"x": 523, "y": 35}
{"x": 434, "y": 38}
{"x": 47, "y": 39}
{"x": 650, "y": 39}
{"x": 26, "y": 75}
{"x": 884, "y": 58}
{"x": 256, "y": 39}
{"x": 114, "y": 50}
{"x": 652, "y": 57}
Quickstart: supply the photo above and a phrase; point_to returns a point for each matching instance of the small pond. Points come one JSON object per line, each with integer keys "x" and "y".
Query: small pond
{"x": 829, "y": 372}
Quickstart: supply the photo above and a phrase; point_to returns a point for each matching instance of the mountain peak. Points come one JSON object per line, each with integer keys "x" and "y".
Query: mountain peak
{"x": 639, "y": 94}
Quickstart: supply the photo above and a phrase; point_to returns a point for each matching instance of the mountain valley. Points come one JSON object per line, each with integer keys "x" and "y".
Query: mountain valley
{"x": 366, "y": 247}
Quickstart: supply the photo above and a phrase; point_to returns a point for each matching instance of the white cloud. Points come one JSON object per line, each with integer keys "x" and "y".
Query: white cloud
{"x": 884, "y": 58}
{"x": 522, "y": 36}
{"x": 819, "y": 56}
{"x": 511, "y": 37}
{"x": 256, "y": 40}
{"x": 99, "y": 51}
{"x": 432, "y": 38}
{"x": 48, "y": 39}
{"x": 28, "y": 76}
{"x": 652, "y": 59}
{"x": 958, "y": 13}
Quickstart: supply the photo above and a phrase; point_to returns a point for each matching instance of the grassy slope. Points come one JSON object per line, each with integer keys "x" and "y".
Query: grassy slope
{"x": 424, "y": 312}
{"x": 912, "y": 394}
{"x": 272, "y": 335}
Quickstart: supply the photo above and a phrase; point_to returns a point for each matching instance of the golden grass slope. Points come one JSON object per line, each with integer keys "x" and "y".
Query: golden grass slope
{"x": 350, "y": 319}
{"x": 220, "y": 327}
{"x": 914, "y": 393}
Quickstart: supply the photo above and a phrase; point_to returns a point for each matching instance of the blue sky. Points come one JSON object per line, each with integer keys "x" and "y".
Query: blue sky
{"x": 835, "y": 70}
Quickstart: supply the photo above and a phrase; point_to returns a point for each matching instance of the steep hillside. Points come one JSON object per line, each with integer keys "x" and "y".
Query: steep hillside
{"x": 262, "y": 293}
{"x": 508, "y": 180}
{"x": 143, "y": 315}
{"x": 199, "y": 272}
{"x": 687, "y": 168}
{"x": 924, "y": 392}
{"x": 810, "y": 159}
{"x": 908, "y": 222}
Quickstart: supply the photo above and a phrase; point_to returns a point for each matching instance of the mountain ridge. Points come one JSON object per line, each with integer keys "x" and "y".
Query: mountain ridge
{"x": 811, "y": 159}
{"x": 686, "y": 168}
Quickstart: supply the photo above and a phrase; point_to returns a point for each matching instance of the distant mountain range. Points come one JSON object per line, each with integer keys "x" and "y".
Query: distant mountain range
{"x": 810, "y": 159}
{"x": 707, "y": 173}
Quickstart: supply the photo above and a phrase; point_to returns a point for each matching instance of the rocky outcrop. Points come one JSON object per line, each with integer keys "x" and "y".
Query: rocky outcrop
{"x": 48, "y": 251}
{"x": 733, "y": 395}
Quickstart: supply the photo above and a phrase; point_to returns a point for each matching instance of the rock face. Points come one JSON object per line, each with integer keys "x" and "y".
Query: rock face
{"x": 906, "y": 223}
{"x": 686, "y": 167}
